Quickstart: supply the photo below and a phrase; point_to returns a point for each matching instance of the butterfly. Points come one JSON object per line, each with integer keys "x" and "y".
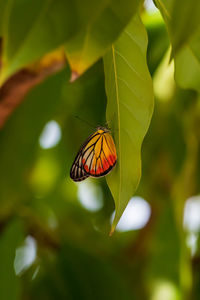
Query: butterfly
{"x": 96, "y": 157}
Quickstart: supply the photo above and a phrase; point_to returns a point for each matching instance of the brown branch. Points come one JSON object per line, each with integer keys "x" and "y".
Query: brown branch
{"x": 14, "y": 90}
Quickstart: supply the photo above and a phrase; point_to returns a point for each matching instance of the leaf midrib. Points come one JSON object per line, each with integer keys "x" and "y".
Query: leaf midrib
{"x": 118, "y": 118}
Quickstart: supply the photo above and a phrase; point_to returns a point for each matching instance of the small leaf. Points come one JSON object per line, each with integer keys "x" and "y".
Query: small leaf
{"x": 103, "y": 29}
{"x": 129, "y": 109}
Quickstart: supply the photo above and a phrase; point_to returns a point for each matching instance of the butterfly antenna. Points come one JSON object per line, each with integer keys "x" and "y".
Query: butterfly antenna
{"x": 86, "y": 122}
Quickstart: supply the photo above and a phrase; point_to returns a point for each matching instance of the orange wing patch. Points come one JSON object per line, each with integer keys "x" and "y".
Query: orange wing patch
{"x": 96, "y": 157}
{"x": 100, "y": 157}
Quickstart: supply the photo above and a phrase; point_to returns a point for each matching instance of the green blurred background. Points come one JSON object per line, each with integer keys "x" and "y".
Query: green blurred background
{"x": 54, "y": 240}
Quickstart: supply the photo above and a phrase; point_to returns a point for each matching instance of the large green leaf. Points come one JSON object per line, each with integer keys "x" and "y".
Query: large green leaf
{"x": 129, "y": 109}
{"x": 32, "y": 28}
{"x": 102, "y": 30}
{"x": 10, "y": 239}
{"x": 182, "y": 20}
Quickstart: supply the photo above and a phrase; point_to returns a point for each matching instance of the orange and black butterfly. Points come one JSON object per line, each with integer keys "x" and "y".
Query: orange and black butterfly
{"x": 96, "y": 157}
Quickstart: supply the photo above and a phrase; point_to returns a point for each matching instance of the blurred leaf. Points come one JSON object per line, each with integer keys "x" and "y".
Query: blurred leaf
{"x": 156, "y": 30}
{"x": 49, "y": 24}
{"x": 164, "y": 248}
{"x": 163, "y": 80}
{"x": 185, "y": 21}
{"x": 169, "y": 247}
{"x": 51, "y": 58}
{"x": 17, "y": 152}
{"x": 130, "y": 107}
{"x": 11, "y": 238}
{"x": 77, "y": 274}
{"x": 102, "y": 30}
{"x": 182, "y": 20}
{"x": 2, "y": 10}
{"x": 13, "y": 92}
{"x": 187, "y": 64}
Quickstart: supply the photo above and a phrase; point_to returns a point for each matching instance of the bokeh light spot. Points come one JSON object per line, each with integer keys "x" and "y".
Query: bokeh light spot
{"x": 90, "y": 195}
{"x": 165, "y": 290}
{"x": 191, "y": 219}
{"x": 25, "y": 255}
{"x": 150, "y": 6}
{"x": 50, "y": 135}
{"x": 191, "y": 222}
{"x": 191, "y": 241}
{"x": 135, "y": 216}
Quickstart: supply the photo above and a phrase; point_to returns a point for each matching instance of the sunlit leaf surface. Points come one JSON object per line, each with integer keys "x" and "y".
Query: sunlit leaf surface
{"x": 46, "y": 26}
{"x": 102, "y": 30}
{"x": 129, "y": 109}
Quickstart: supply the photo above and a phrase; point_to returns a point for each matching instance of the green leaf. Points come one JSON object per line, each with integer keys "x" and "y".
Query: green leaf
{"x": 187, "y": 64}
{"x": 156, "y": 30}
{"x": 78, "y": 274}
{"x": 10, "y": 240}
{"x": 161, "y": 274}
{"x": 47, "y": 25}
{"x": 16, "y": 165}
{"x": 129, "y": 109}
{"x": 2, "y": 11}
{"x": 182, "y": 20}
{"x": 102, "y": 30}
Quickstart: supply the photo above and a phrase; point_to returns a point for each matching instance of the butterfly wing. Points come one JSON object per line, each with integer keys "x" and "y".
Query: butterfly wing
{"x": 99, "y": 154}
{"x": 77, "y": 172}
{"x": 96, "y": 157}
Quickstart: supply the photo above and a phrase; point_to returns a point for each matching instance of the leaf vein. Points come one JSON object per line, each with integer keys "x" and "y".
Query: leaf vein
{"x": 131, "y": 112}
{"x": 133, "y": 39}
{"x": 128, "y": 86}
{"x": 128, "y": 64}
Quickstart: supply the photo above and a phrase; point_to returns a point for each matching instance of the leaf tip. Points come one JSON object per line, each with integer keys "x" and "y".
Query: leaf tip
{"x": 112, "y": 230}
{"x": 74, "y": 76}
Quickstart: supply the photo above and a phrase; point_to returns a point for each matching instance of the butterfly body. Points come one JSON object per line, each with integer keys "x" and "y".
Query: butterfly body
{"x": 96, "y": 157}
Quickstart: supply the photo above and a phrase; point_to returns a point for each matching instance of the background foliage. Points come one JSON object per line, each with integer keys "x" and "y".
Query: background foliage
{"x": 54, "y": 241}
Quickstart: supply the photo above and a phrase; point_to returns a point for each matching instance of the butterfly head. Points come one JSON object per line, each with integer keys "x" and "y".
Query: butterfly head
{"x": 102, "y": 129}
